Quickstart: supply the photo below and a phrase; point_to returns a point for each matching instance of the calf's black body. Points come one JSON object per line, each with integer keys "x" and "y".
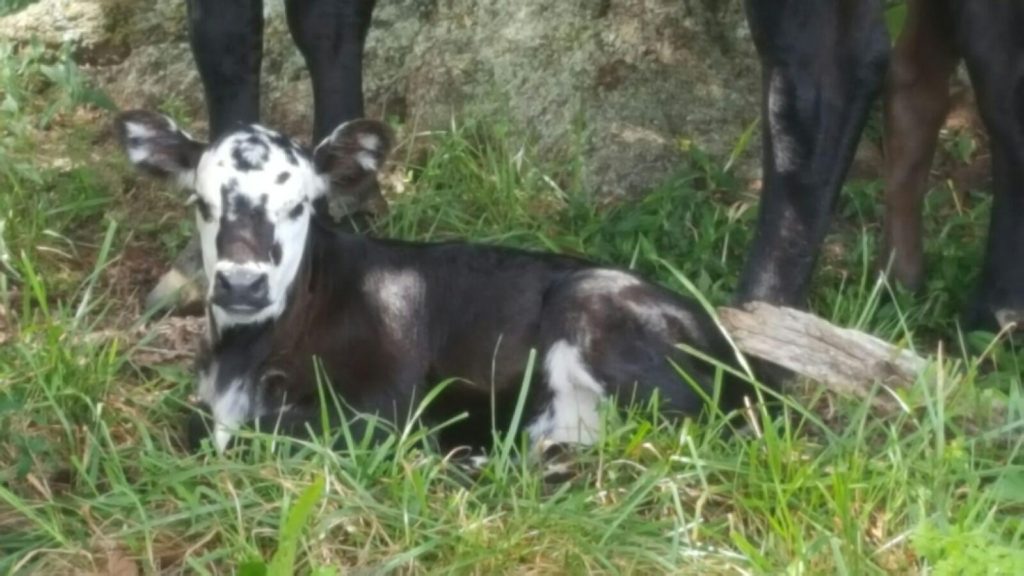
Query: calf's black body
{"x": 390, "y": 321}
{"x": 472, "y": 317}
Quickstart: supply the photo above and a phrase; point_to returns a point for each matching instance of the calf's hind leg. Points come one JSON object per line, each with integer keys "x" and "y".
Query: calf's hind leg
{"x": 608, "y": 334}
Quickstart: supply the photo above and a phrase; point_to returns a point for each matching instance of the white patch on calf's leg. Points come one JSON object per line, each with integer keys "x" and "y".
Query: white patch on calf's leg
{"x": 173, "y": 288}
{"x": 221, "y": 436}
{"x": 231, "y": 408}
{"x": 206, "y": 387}
{"x": 642, "y": 301}
{"x": 655, "y": 316}
{"x": 573, "y": 413}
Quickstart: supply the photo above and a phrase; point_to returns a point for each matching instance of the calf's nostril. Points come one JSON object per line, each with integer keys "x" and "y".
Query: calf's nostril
{"x": 258, "y": 288}
{"x": 222, "y": 282}
{"x": 241, "y": 288}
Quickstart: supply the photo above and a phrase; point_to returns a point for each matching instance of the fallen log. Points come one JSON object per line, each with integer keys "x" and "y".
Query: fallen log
{"x": 847, "y": 361}
{"x": 851, "y": 363}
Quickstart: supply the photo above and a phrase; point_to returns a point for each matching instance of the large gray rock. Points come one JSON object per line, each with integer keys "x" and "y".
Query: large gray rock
{"x": 618, "y": 84}
{"x": 78, "y": 22}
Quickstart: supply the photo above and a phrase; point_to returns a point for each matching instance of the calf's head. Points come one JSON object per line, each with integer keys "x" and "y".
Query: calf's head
{"x": 254, "y": 192}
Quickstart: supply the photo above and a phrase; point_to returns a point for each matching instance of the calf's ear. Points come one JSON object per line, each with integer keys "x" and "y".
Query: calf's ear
{"x": 155, "y": 144}
{"x": 354, "y": 152}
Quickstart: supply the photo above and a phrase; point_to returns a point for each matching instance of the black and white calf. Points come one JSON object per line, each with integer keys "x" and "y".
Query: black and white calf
{"x": 227, "y": 44}
{"x": 389, "y": 320}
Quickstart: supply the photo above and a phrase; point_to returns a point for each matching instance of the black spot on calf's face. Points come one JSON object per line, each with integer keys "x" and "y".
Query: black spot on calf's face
{"x": 251, "y": 188}
{"x": 204, "y": 210}
{"x": 250, "y": 153}
{"x": 246, "y": 234}
{"x": 275, "y": 253}
{"x": 291, "y": 151}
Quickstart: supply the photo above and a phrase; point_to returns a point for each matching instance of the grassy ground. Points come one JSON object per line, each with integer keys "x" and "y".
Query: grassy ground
{"x": 91, "y": 478}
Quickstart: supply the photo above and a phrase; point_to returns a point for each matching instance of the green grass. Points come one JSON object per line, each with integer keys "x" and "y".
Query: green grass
{"x": 91, "y": 475}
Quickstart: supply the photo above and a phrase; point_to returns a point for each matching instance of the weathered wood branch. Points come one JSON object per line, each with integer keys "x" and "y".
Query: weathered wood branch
{"x": 848, "y": 362}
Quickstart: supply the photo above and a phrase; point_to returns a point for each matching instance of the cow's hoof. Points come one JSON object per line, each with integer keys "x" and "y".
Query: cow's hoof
{"x": 1010, "y": 319}
{"x": 995, "y": 318}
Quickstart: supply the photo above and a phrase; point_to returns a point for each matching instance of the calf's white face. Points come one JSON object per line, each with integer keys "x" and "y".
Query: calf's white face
{"x": 253, "y": 191}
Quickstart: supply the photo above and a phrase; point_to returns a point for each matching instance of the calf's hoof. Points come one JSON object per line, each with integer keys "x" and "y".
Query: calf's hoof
{"x": 198, "y": 426}
{"x": 181, "y": 288}
{"x": 175, "y": 291}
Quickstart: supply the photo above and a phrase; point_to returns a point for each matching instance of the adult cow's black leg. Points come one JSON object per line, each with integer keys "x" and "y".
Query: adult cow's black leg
{"x": 916, "y": 103}
{"x": 823, "y": 63}
{"x": 989, "y": 36}
{"x": 331, "y": 35}
{"x": 227, "y": 44}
